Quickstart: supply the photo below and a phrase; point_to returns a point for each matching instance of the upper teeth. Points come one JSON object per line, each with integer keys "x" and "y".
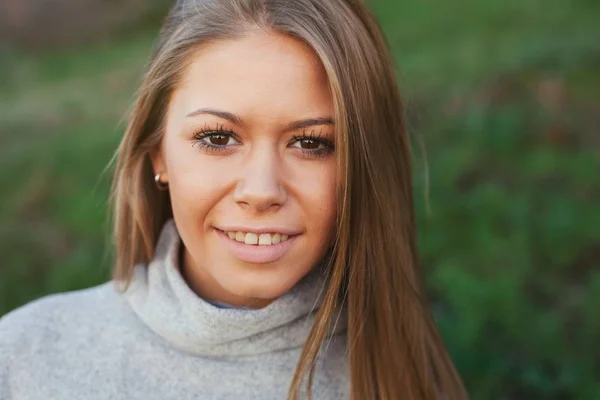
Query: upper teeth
{"x": 263, "y": 239}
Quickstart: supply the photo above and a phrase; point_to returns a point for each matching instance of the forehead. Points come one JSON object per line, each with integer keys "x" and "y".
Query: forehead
{"x": 252, "y": 75}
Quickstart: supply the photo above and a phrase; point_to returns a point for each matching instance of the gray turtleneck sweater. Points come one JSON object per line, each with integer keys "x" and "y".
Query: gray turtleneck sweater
{"x": 159, "y": 340}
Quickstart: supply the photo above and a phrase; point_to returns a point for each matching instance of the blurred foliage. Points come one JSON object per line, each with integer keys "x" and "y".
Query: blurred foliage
{"x": 43, "y": 24}
{"x": 503, "y": 102}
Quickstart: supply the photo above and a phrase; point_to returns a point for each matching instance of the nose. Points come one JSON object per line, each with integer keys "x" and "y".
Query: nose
{"x": 259, "y": 188}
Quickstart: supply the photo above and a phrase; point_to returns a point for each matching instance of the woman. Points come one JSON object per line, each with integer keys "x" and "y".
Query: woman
{"x": 264, "y": 228}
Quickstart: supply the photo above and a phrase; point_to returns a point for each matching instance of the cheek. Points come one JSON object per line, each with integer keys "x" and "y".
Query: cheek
{"x": 194, "y": 184}
{"x": 321, "y": 200}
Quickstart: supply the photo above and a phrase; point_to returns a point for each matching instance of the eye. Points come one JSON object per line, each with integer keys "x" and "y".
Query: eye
{"x": 308, "y": 144}
{"x": 215, "y": 140}
{"x": 219, "y": 139}
{"x": 313, "y": 145}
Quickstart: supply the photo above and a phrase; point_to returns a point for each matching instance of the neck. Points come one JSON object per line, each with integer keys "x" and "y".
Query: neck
{"x": 167, "y": 304}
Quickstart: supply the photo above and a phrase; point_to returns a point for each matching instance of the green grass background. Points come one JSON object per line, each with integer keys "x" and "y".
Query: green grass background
{"x": 503, "y": 101}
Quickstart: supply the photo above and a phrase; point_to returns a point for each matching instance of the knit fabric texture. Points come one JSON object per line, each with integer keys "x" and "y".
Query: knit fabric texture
{"x": 159, "y": 340}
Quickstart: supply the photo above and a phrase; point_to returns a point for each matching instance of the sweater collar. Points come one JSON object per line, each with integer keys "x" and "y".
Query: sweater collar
{"x": 161, "y": 298}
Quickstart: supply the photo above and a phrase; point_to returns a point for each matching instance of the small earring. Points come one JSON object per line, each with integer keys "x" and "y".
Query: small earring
{"x": 160, "y": 185}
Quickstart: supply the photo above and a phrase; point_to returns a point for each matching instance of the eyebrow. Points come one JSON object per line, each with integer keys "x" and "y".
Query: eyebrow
{"x": 305, "y": 123}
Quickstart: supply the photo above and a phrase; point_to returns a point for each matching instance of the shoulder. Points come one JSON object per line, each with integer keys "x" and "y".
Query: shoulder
{"x": 53, "y": 317}
{"x": 60, "y": 337}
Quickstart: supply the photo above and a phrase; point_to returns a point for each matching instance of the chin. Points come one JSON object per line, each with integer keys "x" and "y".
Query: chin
{"x": 261, "y": 282}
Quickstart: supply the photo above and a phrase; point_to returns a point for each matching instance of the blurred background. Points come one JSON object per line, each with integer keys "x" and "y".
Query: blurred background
{"x": 503, "y": 100}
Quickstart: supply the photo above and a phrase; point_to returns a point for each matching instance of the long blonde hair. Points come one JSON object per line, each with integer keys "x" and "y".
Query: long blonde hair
{"x": 394, "y": 348}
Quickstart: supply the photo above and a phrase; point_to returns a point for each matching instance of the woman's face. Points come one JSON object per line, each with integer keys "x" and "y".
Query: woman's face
{"x": 249, "y": 157}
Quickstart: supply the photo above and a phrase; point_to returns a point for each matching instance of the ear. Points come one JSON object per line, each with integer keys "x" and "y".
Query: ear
{"x": 158, "y": 163}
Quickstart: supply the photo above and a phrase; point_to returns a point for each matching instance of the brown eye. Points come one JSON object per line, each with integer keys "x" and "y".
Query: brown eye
{"x": 215, "y": 140}
{"x": 313, "y": 147}
{"x": 219, "y": 140}
{"x": 309, "y": 144}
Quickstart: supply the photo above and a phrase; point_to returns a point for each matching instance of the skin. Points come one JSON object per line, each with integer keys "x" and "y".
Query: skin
{"x": 264, "y": 175}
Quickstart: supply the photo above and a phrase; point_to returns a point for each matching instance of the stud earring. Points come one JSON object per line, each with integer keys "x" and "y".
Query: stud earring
{"x": 160, "y": 185}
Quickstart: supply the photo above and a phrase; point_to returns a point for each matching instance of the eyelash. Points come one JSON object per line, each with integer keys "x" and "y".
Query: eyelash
{"x": 327, "y": 145}
{"x": 206, "y": 132}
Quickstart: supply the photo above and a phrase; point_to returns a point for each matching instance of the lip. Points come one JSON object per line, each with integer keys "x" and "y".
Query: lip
{"x": 256, "y": 254}
{"x": 258, "y": 231}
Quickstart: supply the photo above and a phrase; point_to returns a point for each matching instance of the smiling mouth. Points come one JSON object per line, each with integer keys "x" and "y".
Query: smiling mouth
{"x": 259, "y": 239}
{"x": 257, "y": 248}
